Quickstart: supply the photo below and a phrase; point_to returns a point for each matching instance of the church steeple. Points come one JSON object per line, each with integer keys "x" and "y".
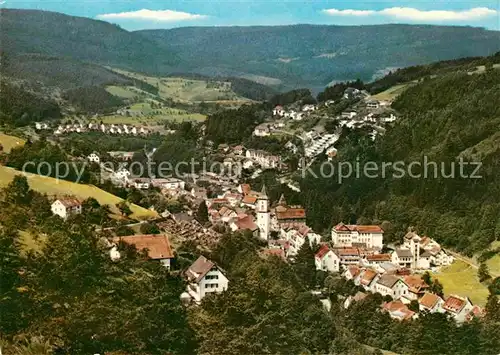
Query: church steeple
{"x": 282, "y": 201}
{"x": 263, "y": 193}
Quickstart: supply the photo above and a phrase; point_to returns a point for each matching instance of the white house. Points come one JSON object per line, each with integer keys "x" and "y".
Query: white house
{"x": 349, "y": 114}
{"x": 458, "y": 307}
{"x": 309, "y": 108}
{"x": 264, "y": 159}
{"x": 142, "y": 183}
{"x": 367, "y": 279}
{"x": 65, "y": 207}
{"x": 279, "y": 111}
{"x": 205, "y": 277}
{"x": 156, "y": 246}
{"x": 373, "y": 104}
{"x": 94, "y": 158}
{"x": 169, "y": 183}
{"x": 326, "y": 260}
{"x": 431, "y": 303}
{"x": 262, "y": 130}
{"x": 345, "y": 235}
{"x": 391, "y": 285}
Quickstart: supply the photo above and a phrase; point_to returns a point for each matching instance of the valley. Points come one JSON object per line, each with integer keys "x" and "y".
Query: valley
{"x": 295, "y": 189}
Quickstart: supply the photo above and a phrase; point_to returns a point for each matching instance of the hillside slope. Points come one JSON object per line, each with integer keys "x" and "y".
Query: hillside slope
{"x": 54, "y": 187}
{"x": 84, "y": 39}
{"x": 315, "y": 55}
{"x": 455, "y": 115}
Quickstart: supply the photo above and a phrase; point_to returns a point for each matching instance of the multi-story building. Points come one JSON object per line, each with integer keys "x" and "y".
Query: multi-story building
{"x": 344, "y": 235}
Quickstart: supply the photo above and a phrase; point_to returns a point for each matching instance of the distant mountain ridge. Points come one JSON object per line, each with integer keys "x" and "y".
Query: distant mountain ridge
{"x": 287, "y": 56}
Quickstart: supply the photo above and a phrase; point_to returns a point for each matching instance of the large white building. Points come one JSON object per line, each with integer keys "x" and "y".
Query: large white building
{"x": 205, "y": 277}
{"x": 344, "y": 235}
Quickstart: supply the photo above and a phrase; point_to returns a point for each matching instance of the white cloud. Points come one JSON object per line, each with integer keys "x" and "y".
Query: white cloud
{"x": 335, "y": 12}
{"x": 152, "y": 15}
{"x": 412, "y": 14}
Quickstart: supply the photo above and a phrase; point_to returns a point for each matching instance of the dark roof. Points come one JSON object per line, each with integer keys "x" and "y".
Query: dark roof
{"x": 388, "y": 280}
{"x": 199, "y": 269}
{"x": 404, "y": 253}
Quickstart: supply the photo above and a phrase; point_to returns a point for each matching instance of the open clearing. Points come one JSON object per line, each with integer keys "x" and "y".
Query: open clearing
{"x": 391, "y": 93}
{"x": 461, "y": 279}
{"x": 187, "y": 90}
{"x": 54, "y": 187}
{"x": 9, "y": 142}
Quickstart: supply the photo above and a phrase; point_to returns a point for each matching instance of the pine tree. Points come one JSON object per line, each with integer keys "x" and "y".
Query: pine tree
{"x": 202, "y": 214}
{"x": 483, "y": 273}
{"x": 305, "y": 266}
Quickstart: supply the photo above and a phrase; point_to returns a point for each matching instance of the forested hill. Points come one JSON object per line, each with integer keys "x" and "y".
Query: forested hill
{"x": 452, "y": 116}
{"x": 80, "y": 38}
{"x": 280, "y": 56}
{"x": 312, "y": 55}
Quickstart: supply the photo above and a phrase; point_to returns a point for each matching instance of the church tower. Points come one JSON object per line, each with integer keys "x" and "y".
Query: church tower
{"x": 263, "y": 214}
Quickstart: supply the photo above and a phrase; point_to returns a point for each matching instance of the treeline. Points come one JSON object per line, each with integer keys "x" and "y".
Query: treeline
{"x": 43, "y": 158}
{"x": 451, "y": 116}
{"x": 19, "y": 107}
{"x": 405, "y": 75}
{"x": 92, "y": 99}
{"x": 336, "y": 91}
{"x": 250, "y": 89}
{"x": 290, "y": 97}
{"x": 233, "y": 126}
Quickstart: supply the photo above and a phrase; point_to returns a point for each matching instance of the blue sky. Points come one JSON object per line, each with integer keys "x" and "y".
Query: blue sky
{"x": 142, "y": 14}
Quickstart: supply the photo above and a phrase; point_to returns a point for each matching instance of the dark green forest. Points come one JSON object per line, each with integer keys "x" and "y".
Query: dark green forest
{"x": 20, "y": 107}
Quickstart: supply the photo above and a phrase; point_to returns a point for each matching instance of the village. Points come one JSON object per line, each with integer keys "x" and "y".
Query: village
{"x": 356, "y": 252}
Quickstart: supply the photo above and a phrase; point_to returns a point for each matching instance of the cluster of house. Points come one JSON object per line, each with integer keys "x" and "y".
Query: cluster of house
{"x": 321, "y": 144}
{"x": 403, "y": 289}
{"x": 107, "y": 129}
{"x": 356, "y": 252}
{"x": 266, "y": 129}
{"x": 280, "y": 111}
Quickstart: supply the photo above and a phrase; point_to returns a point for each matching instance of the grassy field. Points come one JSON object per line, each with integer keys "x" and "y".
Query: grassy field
{"x": 391, "y": 93}
{"x": 494, "y": 262}
{"x": 188, "y": 90}
{"x": 461, "y": 279}
{"x": 9, "y": 142}
{"x": 121, "y": 91}
{"x": 55, "y": 187}
{"x": 143, "y": 114}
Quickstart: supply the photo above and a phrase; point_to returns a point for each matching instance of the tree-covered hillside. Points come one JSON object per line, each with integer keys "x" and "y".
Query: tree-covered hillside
{"x": 451, "y": 117}
{"x": 311, "y": 55}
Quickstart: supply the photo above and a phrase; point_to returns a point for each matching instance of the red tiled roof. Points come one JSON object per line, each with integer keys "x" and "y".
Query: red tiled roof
{"x": 250, "y": 200}
{"x": 157, "y": 246}
{"x": 322, "y": 251}
{"x": 291, "y": 213}
{"x": 454, "y": 304}
{"x": 429, "y": 300}
{"x": 415, "y": 283}
{"x": 367, "y": 277}
{"x": 354, "y": 270}
{"x": 346, "y": 251}
{"x": 246, "y": 222}
{"x": 360, "y": 228}
{"x": 379, "y": 257}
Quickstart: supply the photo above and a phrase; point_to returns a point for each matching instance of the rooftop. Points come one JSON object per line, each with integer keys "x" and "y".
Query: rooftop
{"x": 157, "y": 246}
